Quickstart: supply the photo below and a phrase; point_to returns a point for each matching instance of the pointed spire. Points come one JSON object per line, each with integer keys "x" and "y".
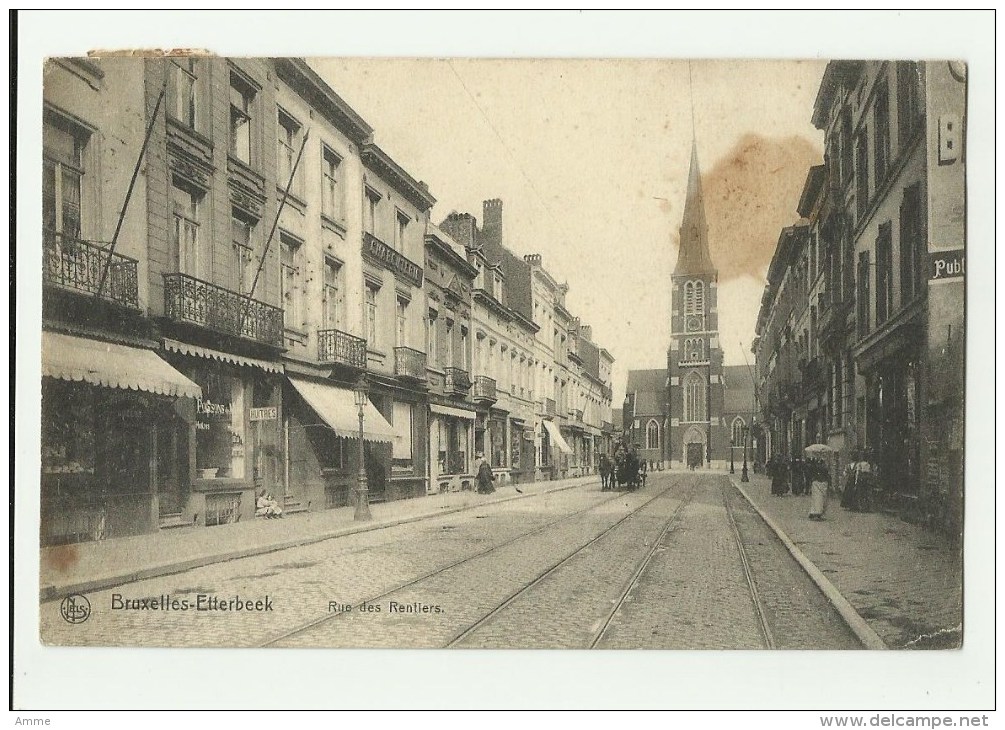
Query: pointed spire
{"x": 693, "y": 256}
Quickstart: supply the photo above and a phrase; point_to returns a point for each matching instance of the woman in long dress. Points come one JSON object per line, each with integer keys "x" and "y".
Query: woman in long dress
{"x": 779, "y": 473}
{"x": 820, "y": 478}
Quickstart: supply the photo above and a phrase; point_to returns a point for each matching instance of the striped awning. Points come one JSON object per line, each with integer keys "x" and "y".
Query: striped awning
{"x": 448, "y": 411}
{"x": 337, "y": 407}
{"x": 82, "y": 359}
{"x": 196, "y": 351}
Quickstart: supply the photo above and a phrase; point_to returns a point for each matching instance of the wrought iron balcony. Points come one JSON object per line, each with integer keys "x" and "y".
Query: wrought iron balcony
{"x": 485, "y": 389}
{"x": 391, "y": 259}
{"x": 409, "y": 363}
{"x": 457, "y": 380}
{"x": 341, "y": 347}
{"x": 187, "y": 299}
{"x": 549, "y": 407}
{"x": 76, "y": 265}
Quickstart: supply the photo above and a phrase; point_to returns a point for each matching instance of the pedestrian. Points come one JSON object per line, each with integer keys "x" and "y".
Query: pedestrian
{"x": 820, "y": 478}
{"x": 484, "y": 476}
{"x": 865, "y": 482}
{"x": 266, "y": 506}
{"x": 849, "y": 497}
{"x": 779, "y": 474}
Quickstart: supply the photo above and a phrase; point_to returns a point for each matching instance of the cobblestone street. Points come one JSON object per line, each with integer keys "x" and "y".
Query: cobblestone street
{"x": 657, "y": 568}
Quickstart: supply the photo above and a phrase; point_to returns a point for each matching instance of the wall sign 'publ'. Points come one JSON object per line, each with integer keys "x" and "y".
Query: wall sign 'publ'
{"x": 948, "y": 264}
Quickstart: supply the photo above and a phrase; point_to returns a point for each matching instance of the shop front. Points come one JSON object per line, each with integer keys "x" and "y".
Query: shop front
{"x": 107, "y": 411}
{"x": 322, "y": 433}
{"x": 451, "y": 442}
{"x": 558, "y": 450}
{"x": 521, "y": 446}
{"x": 235, "y": 444}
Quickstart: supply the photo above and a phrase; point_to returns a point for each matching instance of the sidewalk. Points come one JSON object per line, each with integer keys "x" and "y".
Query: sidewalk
{"x": 91, "y": 566}
{"x": 905, "y": 581}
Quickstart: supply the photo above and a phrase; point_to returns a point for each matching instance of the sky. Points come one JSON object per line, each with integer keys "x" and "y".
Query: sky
{"x": 590, "y": 159}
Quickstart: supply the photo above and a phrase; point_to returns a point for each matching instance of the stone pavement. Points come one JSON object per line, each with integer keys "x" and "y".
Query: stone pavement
{"x": 85, "y": 567}
{"x": 905, "y": 581}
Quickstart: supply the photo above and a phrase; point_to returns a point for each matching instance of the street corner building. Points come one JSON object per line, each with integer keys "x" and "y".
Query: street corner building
{"x": 695, "y": 412}
{"x": 242, "y": 292}
{"x": 861, "y": 333}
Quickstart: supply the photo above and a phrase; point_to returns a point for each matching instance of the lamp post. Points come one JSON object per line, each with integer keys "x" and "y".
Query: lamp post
{"x": 743, "y": 475}
{"x": 732, "y": 469}
{"x": 362, "y": 511}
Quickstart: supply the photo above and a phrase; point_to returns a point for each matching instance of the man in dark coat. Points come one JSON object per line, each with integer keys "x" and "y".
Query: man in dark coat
{"x": 484, "y": 476}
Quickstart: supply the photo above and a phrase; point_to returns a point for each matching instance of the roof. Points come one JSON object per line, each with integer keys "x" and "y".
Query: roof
{"x": 416, "y": 192}
{"x": 646, "y": 380}
{"x": 738, "y": 395}
{"x": 306, "y": 82}
{"x": 649, "y": 403}
{"x": 693, "y": 256}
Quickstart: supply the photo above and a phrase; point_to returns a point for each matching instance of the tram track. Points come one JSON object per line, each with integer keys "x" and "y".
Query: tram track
{"x": 762, "y": 620}
{"x": 328, "y": 617}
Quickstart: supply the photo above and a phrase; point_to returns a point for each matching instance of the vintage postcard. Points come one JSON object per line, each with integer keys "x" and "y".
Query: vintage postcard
{"x": 345, "y": 352}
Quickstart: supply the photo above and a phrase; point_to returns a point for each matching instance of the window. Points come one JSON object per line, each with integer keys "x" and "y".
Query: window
{"x": 912, "y": 245}
{"x": 653, "y": 435}
{"x": 370, "y": 214}
{"x": 371, "y": 314}
{"x": 220, "y": 437}
{"x": 449, "y": 352}
{"x": 289, "y": 149}
{"x": 837, "y": 396}
{"x": 332, "y": 294}
{"x": 884, "y": 274}
{"x": 401, "y": 321}
{"x": 694, "y": 398}
{"x": 908, "y": 101}
{"x": 185, "y": 231}
{"x": 401, "y": 226}
{"x": 242, "y": 97}
{"x": 431, "y": 349}
{"x": 739, "y": 428}
{"x": 242, "y": 250}
{"x": 694, "y": 297}
{"x": 62, "y": 176}
{"x": 861, "y": 176}
{"x": 846, "y": 148}
{"x": 290, "y": 283}
{"x": 862, "y": 294}
{"x": 182, "y": 84}
{"x": 464, "y": 348}
{"x": 694, "y": 349}
{"x": 881, "y": 114}
{"x": 401, "y": 420}
{"x": 331, "y": 195}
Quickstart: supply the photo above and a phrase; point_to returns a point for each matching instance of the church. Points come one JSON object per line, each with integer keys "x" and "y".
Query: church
{"x": 695, "y": 410}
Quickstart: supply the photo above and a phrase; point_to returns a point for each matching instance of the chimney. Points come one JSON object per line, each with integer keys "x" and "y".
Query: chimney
{"x": 492, "y": 226}
{"x": 586, "y": 332}
{"x": 533, "y": 259}
{"x": 460, "y": 227}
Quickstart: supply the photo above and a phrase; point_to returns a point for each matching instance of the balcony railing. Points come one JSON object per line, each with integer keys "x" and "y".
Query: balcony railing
{"x": 187, "y": 299}
{"x": 549, "y": 407}
{"x": 409, "y": 363}
{"x": 606, "y": 392}
{"x": 391, "y": 259}
{"x": 485, "y": 388}
{"x": 457, "y": 380}
{"x": 341, "y": 347}
{"x": 76, "y": 265}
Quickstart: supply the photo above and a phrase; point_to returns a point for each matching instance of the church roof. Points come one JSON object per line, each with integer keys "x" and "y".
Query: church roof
{"x": 693, "y": 257}
{"x": 738, "y": 396}
{"x": 646, "y": 380}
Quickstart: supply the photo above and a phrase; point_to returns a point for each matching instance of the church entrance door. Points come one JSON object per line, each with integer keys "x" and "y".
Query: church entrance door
{"x": 694, "y": 455}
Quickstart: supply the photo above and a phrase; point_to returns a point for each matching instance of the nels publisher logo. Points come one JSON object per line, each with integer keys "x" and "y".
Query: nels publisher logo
{"x": 75, "y": 609}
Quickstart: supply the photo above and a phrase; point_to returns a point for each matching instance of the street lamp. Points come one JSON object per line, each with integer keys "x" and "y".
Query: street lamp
{"x": 743, "y": 476}
{"x": 732, "y": 469}
{"x": 362, "y": 512}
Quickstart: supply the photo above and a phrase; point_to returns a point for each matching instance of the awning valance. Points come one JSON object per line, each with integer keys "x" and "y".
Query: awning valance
{"x": 337, "y": 406}
{"x": 448, "y": 411}
{"x": 196, "y": 351}
{"x": 113, "y": 366}
{"x": 556, "y": 437}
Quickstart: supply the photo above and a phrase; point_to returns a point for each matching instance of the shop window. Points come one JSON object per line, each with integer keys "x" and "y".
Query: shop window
{"x": 289, "y": 142}
{"x": 67, "y": 429}
{"x": 242, "y": 98}
{"x": 331, "y": 194}
{"x": 220, "y": 436}
{"x": 63, "y": 145}
{"x": 185, "y": 213}
{"x": 265, "y": 431}
{"x": 401, "y": 418}
{"x": 183, "y": 103}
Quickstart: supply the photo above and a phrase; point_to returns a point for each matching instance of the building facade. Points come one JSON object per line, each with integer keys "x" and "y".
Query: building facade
{"x": 857, "y": 295}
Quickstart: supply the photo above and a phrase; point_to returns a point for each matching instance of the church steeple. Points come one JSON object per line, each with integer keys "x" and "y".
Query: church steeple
{"x": 693, "y": 257}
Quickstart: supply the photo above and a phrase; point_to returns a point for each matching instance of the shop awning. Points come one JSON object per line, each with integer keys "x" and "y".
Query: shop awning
{"x": 186, "y": 349}
{"x": 448, "y": 411}
{"x": 556, "y": 437}
{"x": 81, "y": 359}
{"x": 337, "y": 406}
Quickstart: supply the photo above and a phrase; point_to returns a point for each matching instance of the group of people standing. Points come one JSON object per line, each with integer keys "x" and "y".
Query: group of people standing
{"x": 813, "y": 477}
{"x": 625, "y": 468}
